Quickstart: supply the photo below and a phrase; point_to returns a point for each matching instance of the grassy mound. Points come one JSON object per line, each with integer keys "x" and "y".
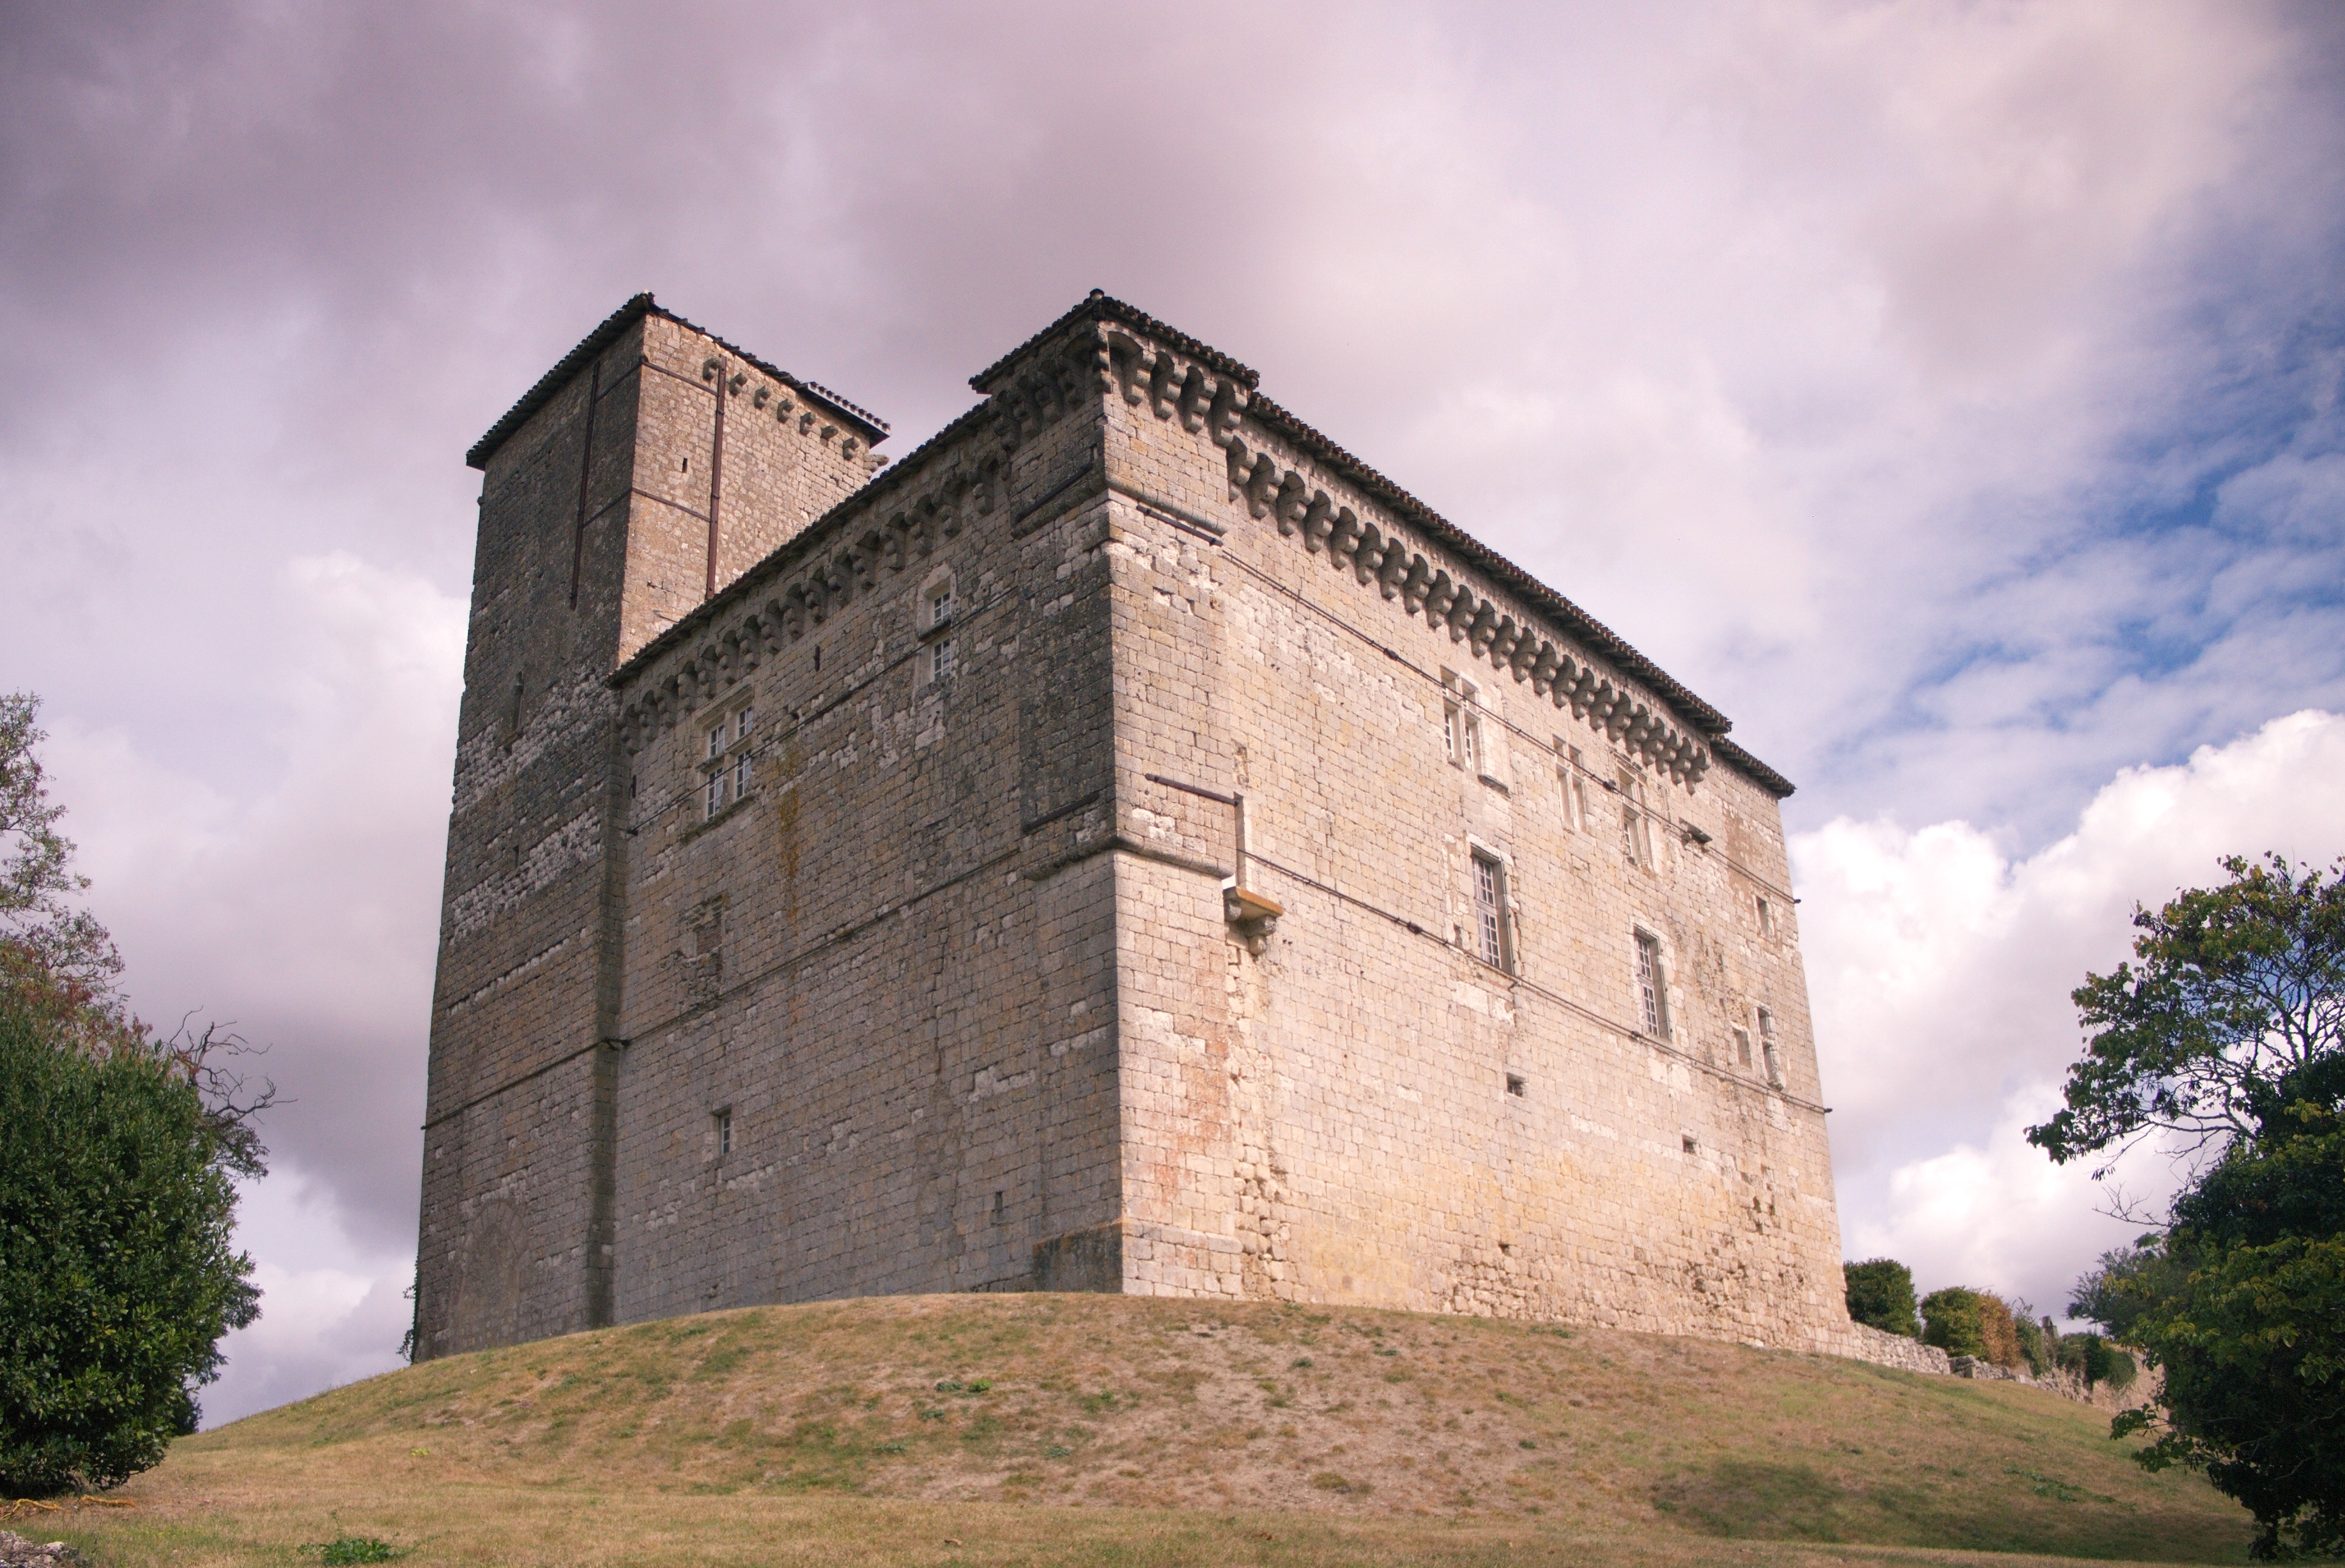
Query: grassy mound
{"x": 992, "y": 1429}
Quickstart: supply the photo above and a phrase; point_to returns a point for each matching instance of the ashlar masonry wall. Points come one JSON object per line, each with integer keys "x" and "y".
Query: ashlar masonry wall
{"x": 1128, "y": 844}
{"x": 1366, "y": 1110}
{"x": 870, "y": 1001}
{"x": 605, "y": 511}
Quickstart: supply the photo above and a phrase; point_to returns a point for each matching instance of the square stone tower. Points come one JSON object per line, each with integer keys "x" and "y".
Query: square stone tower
{"x": 614, "y": 499}
{"x": 1129, "y": 844}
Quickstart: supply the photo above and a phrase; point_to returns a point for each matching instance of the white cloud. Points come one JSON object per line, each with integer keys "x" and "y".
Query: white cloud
{"x": 1940, "y": 970}
{"x": 306, "y": 914}
{"x": 332, "y": 1310}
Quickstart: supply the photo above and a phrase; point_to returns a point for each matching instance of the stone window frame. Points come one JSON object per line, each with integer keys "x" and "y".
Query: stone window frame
{"x": 1766, "y": 914}
{"x": 727, "y": 772}
{"x": 940, "y": 645}
{"x": 1571, "y": 771}
{"x": 1770, "y": 1047}
{"x": 1499, "y": 911}
{"x": 1648, "y": 980}
{"x": 720, "y": 1132}
{"x": 1636, "y": 816}
{"x": 1461, "y": 723}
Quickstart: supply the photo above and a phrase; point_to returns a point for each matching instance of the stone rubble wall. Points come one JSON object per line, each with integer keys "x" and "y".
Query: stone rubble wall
{"x": 1864, "y": 1342}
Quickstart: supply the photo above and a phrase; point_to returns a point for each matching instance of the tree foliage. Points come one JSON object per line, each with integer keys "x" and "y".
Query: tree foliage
{"x": 1880, "y": 1296}
{"x": 53, "y": 956}
{"x": 116, "y": 1273}
{"x": 2231, "y": 1034}
{"x": 1962, "y": 1321}
{"x": 2242, "y": 1304}
{"x": 118, "y": 1152}
{"x": 2237, "y": 989}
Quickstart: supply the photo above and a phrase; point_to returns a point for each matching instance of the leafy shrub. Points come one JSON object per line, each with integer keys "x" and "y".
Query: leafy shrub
{"x": 2038, "y": 1342}
{"x": 117, "y": 1153}
{"x": 1950, "y": 1320}
{"x": 1962, "y": 1321}
{"x": 2094, "y": 1359}
{"x": 1880, "y": 1296}
{"x": 117, "y": 1276}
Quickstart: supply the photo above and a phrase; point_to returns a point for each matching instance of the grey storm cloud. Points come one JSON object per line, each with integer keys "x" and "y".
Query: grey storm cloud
{"x": 1951, "y": 394}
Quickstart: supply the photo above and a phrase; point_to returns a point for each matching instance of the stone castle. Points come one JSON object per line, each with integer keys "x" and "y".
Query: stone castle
{"x": 1128, "y": 844}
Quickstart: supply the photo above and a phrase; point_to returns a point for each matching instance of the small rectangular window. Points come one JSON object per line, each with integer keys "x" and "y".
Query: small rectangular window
{"x": 941, "y": 660}
{"x": 713, "y": 800}
{"x": 717, "y": 742}
{"x": 1652, "y": 989}
{"x": 741, "y": 776}
{"x": 1460, "y": 727}
{"x": 1743, "y": 1047}
{"x": 1636, "y": 842}
{"x": 1691, "y": 1146}
{"x": 1490, "y": 909}
{"x": 1458, "y": 731}
{"x": 940, "y": 605}
{"x": 1001, "y": 1207}
{"x": 723, "y": 1121}
{"x": 1518, "y": 1086}
{"x": 1766, "y": 918}
{"x": 744, "y": 722}
{"x": 1767, "y": 1046}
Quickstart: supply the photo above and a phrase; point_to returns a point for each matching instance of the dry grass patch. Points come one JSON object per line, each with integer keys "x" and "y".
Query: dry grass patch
{"x": 1078, "y": 1429}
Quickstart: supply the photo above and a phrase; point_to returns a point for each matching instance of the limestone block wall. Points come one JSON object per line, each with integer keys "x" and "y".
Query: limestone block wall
{"x": 870, "y": 929}
{"x": 772, "y": 461}
{"x": 508, "y": 1199}
{"x": 594, "y": 533}
{"x": 869, "y": 1001}
{"x": 1367, "y": 1111}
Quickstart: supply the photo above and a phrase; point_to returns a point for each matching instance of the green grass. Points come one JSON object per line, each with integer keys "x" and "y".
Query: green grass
{"x": 1075, "y": 1430}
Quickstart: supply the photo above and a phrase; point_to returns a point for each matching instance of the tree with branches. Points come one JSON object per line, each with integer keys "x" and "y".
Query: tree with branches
{"x": 119, "y": 1150}
{"x": 2237, "y": 990}
{"x": 2227, "y": 1037}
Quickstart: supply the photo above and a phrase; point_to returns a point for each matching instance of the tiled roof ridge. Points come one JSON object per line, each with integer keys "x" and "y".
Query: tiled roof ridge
{"x": 1100, "y": 306}
{"x": 875, "y": 429}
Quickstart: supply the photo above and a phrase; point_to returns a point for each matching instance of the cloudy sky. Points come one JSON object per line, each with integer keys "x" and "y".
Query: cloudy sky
{"x": 1950, "y": 393}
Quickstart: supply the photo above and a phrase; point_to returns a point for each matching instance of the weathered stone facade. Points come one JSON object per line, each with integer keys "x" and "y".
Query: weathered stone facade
{"x": 1128, "y": 844}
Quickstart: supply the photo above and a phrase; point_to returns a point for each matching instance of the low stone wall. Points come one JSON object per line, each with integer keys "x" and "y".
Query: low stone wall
{"x": 1866, "y": 1343}
{"x": 2068, "y": 1385}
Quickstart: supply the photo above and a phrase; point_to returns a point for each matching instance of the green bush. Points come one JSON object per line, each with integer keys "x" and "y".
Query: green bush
{"x": 2038, "y": 1342}
{"x": 2097, "y": 1360}
{"x": 1962, "y": 1321}
{"x": 117, "y": 1275}
{"x": 1950, "y": 1320}
{"x": 1880, "y": 1296}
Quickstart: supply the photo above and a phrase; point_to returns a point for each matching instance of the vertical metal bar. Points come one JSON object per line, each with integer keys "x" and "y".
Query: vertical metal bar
{"x": 716, "y": 474}
{"x": 610, "y": 975}
{"x": 585, "y": 468}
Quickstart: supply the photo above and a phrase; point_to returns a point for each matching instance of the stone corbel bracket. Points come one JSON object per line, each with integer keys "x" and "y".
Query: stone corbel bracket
{"x": 1255, "y": 916}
